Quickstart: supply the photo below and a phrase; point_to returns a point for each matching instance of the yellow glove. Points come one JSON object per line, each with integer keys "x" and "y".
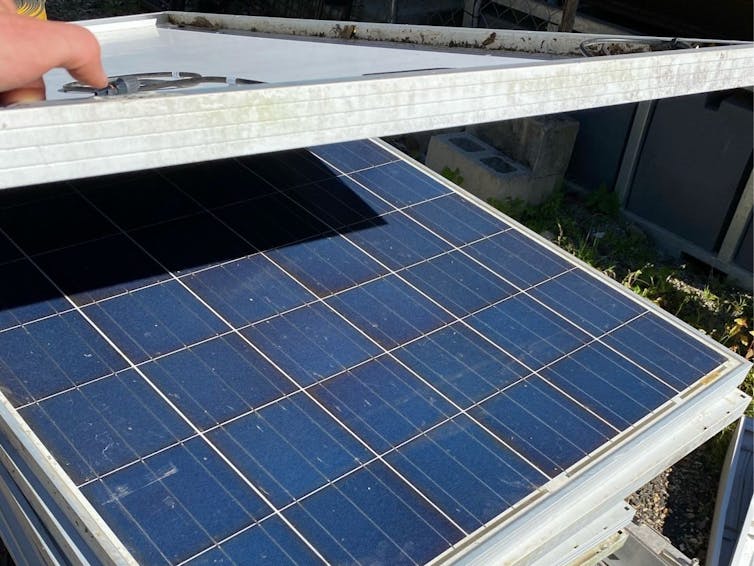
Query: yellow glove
{"x": 33, "y": 8}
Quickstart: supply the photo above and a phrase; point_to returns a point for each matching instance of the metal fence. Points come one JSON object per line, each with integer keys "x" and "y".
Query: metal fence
{"x": 307, "y": 9}
{"x": 424, "y": 12}
{"x": 536, "y": 15}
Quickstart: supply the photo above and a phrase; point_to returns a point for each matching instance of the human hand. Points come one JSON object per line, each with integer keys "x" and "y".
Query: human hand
{"x": 29, "y": 48}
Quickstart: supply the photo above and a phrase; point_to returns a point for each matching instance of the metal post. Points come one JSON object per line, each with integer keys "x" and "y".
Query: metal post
{"x": 738, "y": 223}
{"x": 569, "y": 15}
{"x": 631, "y": 153}
{"x": 393, "y": 11}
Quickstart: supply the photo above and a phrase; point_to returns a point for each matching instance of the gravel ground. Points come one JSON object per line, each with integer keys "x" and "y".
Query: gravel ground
{"x": 679, "y": 502}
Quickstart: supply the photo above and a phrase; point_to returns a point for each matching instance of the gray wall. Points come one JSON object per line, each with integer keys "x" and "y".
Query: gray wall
{"x": 694, "y": 163}
{"x": 599, "y": 145}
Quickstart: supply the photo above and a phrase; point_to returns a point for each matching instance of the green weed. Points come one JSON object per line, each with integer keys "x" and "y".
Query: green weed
{"x": 603, "y": 201}
{"x": 452, "y": 175}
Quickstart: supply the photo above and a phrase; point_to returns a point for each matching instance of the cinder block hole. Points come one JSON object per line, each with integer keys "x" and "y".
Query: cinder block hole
{"x": 466, "y": 144}
{"x": 498, "y": 164}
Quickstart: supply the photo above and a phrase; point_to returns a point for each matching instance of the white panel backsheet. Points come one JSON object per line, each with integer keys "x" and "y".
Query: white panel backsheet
{"x": 142, "y": 49}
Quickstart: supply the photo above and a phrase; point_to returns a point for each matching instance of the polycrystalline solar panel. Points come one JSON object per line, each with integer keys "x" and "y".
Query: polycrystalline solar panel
{"x": 326, "y": 356}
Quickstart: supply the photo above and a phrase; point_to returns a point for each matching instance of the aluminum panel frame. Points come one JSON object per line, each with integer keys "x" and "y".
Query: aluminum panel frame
{"x": 49, "y": 142}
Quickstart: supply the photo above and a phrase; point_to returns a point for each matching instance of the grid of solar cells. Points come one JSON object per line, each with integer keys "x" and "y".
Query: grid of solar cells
{"x": 302, "y": 357}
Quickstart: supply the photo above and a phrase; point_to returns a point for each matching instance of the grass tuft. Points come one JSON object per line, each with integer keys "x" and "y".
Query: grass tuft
{"x": 452, "y": 175}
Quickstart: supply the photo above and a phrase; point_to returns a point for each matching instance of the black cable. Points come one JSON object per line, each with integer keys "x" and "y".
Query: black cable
{"x": 150, "y": 82}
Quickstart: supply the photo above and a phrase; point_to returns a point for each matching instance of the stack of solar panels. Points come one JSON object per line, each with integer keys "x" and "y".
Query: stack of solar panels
{"x": 328, "y": 356}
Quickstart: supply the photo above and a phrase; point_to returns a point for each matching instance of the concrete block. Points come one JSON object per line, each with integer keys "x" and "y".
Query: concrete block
{"x": 417, "y": 143}
{"x": 486, "y": 172}
{"x": 542, "y": 143}
{"x": 544, "y": 186}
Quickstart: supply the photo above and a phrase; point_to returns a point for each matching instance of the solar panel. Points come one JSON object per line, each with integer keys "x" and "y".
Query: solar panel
{"x": 313, "y": 356}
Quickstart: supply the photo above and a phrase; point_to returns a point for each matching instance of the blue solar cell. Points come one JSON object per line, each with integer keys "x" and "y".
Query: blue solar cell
{"x": 664, "y": 351}
{"x": 27, "y": 295}
{"x": 13, "y": 197}
{"x": 389, "y": 311}
{"x": 591, "y": 305}
{"x": 400, "y": 184}
{"x": 458, "y": 283}
{"x": 105, "y": 425}
{"x": 311, "y": 343}
{"x": 191, "y": 243}
{"x": 51, "y": 355}
{"x": 518, "y": 259}
{"x": 327, "y": 265}
{"x": 290, "y": 448}
{"x": 608, "y": 384}
{"x": 125, "y": 201}
{"x": 544, "y": 426}
{"x": 397, "y": 241}
{"x": 339, "y": 202}
{"x": 67, "y": 219}
{"x": 456, "y": 219}
{"x": 288, "y": 169}
{"x": 155, "y": 321}
{"x": 353, "y": 156}
{"x": 87, "y": 183}
{"x": 479, "y": 478}
{"x": 247, "y": 290}
{"x": 383, "y": 403}
{"x": 459, "y": 363}
{"x": 371, "y": 517}
{"x": 8, "y": 252}
{"x": 528, "y": 331}
{"x": 217, "y": 380}
{"x": 271, "y": 221}
{"x": 270, "y": 542}
{"x": 102, "y": 268}
{"x": 175, "y": 503}
{"x": 218, "y": 183}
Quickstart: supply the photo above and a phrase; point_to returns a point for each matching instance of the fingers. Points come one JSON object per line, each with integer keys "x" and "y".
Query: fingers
{"x": 29, "y": 48}
{"x": 7, "y": 6}
{"x": 31, "y": 92}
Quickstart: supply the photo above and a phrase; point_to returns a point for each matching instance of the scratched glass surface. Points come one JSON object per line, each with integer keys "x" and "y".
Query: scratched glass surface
{"x": 312, "y": 356}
